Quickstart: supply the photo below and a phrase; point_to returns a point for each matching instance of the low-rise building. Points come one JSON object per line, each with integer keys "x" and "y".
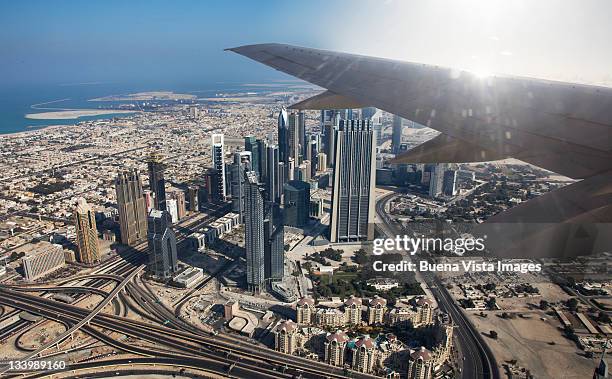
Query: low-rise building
{"x": 189, "y": 277}
{"x": 285, "y": 335}
{"x": 352, "y": 310}
{"x": 377, "y": 308}
{"x": 364, "y": 355}
{"x": 335, "y": 348}
{"x": 305, "y": 311}
{"x": 420, "y": 364}
{"x": 329, "y": 317}
{"x": 43, "y": 259}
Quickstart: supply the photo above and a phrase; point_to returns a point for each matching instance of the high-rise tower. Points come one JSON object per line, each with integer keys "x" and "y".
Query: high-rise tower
{"x": 296, "y": 203}
{"x": 162, "y": 245}
{"x": 283, "y": 135}
{"x": 273, "y": 174}
{"x": 274, "y": 243}
{"x": 254, "y": 233}
{"x": 87, "y": 233}
{"x": 132, "y": 207}
{"x": 251, "y": 145}
{"x": 296, "y": 135}
{"x": 396, "y": 133}
{"x": 352, "y": 217}
{"x": 218, "y": 162}
{"x": 157, "y": 183}
{"x": 242, "y": 163}
{"x": 437, "y": 180}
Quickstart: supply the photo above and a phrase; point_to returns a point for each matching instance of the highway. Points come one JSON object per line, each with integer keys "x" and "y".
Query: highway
{"x": 479, "y": 360}
{"x": 84, "y": 320}
{"x": 185, "y": 343}
{"x": 180, "y": 343}
{"x": 118, "y": 265}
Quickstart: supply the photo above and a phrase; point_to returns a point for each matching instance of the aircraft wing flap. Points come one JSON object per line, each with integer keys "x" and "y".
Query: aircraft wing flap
{"x": 328, "y": 100}
{"x": 446, "y": 149}
{"x": 571, "y": 221}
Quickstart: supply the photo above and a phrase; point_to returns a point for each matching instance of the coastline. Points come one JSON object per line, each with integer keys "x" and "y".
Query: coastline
{"x": 73, "y": 114}
{"x": 32, "y": 129}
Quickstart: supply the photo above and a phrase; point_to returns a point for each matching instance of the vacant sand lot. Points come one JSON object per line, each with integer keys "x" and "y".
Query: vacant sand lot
{"x": 529, "y": 341}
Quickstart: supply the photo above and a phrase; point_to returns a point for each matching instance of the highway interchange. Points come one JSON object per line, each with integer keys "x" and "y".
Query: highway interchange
{"x": 171, "y": 342}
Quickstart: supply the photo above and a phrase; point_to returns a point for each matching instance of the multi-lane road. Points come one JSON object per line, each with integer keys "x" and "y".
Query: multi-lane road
{"x": 479, "y": 361}
{"x": 164, "y": 337}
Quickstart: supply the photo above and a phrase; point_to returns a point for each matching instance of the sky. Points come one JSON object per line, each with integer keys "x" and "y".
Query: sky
{"x": 179, "y": 42}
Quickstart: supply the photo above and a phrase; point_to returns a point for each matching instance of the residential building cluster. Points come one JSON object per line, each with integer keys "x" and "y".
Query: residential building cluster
{"x": 365, "y": 353}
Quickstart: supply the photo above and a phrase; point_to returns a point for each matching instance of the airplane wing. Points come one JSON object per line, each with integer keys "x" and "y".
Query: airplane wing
{"x": 562, "y": 127}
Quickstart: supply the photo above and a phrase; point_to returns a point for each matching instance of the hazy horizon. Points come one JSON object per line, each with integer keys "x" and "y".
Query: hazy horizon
{"x": 176, "y": 43}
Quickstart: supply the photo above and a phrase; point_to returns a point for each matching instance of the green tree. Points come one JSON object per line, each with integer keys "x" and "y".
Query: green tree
{"x": 361, "y": 257}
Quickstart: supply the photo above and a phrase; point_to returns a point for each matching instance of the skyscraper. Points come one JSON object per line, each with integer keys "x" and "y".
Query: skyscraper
{"x": 437, "y": 180}
{"x": 172, "y": 209}
{"x": 212, "y": 179}
{"x": 367, "y": 113}
{"x": 193, "y": 198}
{"x": 181, "y": 207}
{"x": 296, "y": 203}
{"x": 262, "y": 151}
{"x": 329, "y": 138}
{"x": 162, "y": 245}
{"x": 352, "y": 217}
{"x": 254, "y": 233}
{"x": 242, "y": 164}
{"x": 283, "y": 177}
{"x": 302, "y": 172}
{"x": 301, "y": 126}
{"x": 274, "y": 243}
{"x": 157, "y": 183}
{"x": 450, "y": 182}
{"x": 296, "y": 135}
{"x": 314, "y": 157}
{"x": 290, "y": 169}
{"x": 132, "y": 207}
{"x": 250, "y": 144}
{"x": 218, "y": 161}
{"x": 87, "y": 233}
{"x": 283, "y": 135}
{"x": 273, "y": 172}
{"x": 321, "y": 162}
{"x": 396, "y": 136}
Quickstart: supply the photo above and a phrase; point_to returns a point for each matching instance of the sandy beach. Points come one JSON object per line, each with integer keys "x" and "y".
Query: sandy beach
{"x": 73, "y": 114}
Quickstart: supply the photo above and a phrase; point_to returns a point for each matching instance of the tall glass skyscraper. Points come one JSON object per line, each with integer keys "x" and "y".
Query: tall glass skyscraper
{"x": 250, "y": 144}
{"x": 396, "y": 136}
{"x": 157, "y": 183}
{"x": 87, "y": 233}
{"x": 162, "y": 245}
{"x": 296, "y": 136}
{"x": 352, "y": 217}
{"x": 283, "y": 135}
{"x": 132, "y": 207}
{"x": 242, "y": 164}
{"x": 262, "y": 151}
{"x": 296, "y": 203}
{"x": 273, "y": 174}
{"x": 254, "y": 233}
{"x": 218, "y": 161}
{"x": 274, "y": 243}
{"x": 437, "y": 180}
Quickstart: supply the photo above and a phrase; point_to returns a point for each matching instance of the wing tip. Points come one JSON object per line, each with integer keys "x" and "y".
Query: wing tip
{"x": 250, "y": 48}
